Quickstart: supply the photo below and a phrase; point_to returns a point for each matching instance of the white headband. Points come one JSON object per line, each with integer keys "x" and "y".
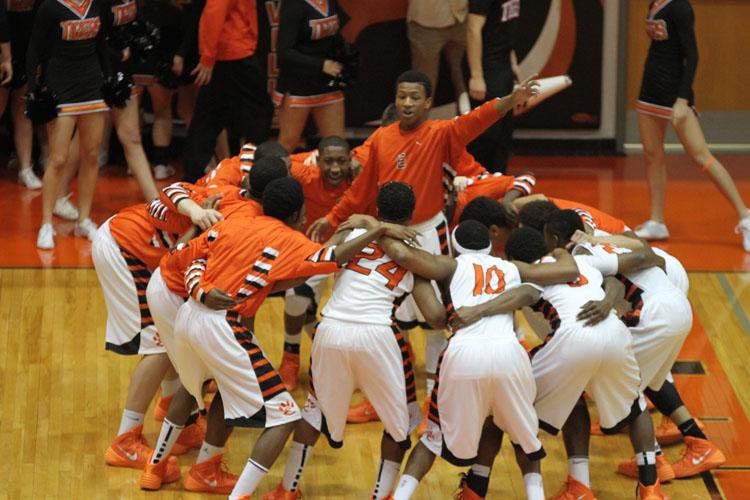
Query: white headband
{"x": 460, "y": 249}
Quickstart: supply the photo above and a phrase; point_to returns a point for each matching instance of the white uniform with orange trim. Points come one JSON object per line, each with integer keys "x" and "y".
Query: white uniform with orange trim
{"x": 660, "y": 319}
{"x": 575, "y": 358}
{"x": 483, "y": 371}
{"x": 356, "y": 346}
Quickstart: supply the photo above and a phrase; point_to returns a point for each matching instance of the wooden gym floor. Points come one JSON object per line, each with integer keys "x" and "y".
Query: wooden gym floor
{"x": 61, "y": 394}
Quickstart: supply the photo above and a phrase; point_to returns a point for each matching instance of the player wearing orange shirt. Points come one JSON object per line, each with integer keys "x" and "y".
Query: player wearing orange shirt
{"x": 231, "y": 171}
{"x": 125, "y": 251}
{"x": 414, "y": 151}
{"x": 496, "y": 186}
{"x": 537, "y": 208}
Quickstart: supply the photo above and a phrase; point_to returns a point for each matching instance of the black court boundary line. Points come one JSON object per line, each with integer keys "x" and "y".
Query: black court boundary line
{"x": 713, "y": 488}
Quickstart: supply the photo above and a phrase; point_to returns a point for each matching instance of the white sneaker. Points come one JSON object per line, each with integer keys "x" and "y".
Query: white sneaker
{"x": 744, "y": 228}
{"x": 464, "y": 106}
{"x": 65, "y": 209}
{"x": 86, "y": 229}
{"x": 652, "y": 230}
{"x": 45, "y": 239}
{"x": 28, "y": 178}
{"x": 162, "y": 172}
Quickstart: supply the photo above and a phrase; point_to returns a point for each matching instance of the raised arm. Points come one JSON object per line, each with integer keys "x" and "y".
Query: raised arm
{"x": 429, "y": 304}
{"x": 563, "y": 270}
{"x": 419, "y": 262}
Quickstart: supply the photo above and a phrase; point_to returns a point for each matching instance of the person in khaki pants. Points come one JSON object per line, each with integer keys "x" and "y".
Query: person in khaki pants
{"x": 434, "y": 26}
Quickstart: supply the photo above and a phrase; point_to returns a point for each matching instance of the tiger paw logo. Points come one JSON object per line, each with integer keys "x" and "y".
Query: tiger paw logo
{"x": 657, "y": 30}
{"x": 287, "y": 408}
{"x": 401, "y": 161}
{"x": 157, "y": 340}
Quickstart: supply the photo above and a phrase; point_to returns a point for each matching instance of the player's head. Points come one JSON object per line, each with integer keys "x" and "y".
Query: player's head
{"x": 492, "y": 214}
{"x": 471, "y": 236}
{"x": 560, "y": 227}
{"x": 263, "y": 172}
{"x": 334, "y": 160}
{"x": 525, "y": 244}
{"x": 413, "y": 98}
{"x": 396, "y": 202}
{"x": 535, "y": 213}
{"x": 272, "y": 148}
{"x": 283, "y": 200}
{"x": 390, "y": 115}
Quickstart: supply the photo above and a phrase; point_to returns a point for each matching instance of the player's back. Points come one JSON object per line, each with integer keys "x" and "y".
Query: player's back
{"x": 369, "y": 288}
{"x": 479, "y": 278}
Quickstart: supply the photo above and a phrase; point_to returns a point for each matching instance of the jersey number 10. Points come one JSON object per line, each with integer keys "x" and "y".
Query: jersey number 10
{"x": 392, "y": 272}
{"x": 483, "y": 280}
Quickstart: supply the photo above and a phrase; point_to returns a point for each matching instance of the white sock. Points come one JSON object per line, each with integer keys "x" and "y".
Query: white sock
{"x": 295, "y": 463}
{"x": 129, "y": 420}
{"x": 657, "y": 448}
{"x": 406, "y": 487}
{"x": 534, "y": 486}
{"x": 167, "y": 438}
{"x": 251, "y": 476}
{"x": 645, "y": 458}
{"x": 293, "y": 339}
{"x": 578, "y": 467}
{"x": 481, "y": 470}
{"x": 387, "y": 475}
{"x": 169, "y": 387}
{"x": 430, "y": 384}
{"x": 208, "y": 451}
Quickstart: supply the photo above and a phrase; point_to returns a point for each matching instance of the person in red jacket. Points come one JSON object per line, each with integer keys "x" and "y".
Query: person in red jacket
{"x": 233, "y": 90}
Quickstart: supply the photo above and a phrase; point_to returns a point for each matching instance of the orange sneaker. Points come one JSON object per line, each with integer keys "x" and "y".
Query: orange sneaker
{"x": 191, "y": 437}
{"x": 129, "y": 449}
{"x": 664, "y": 471}
{"x": 362, "y": 413}
{"x": 425, "y": 412}
{"x": 282, "y": 494}
{"x": 289, "y": 370}
{"x": 211, "y": 476}
{"x": 245, "y": 497}
{"x": 653, "y": 492}
{"x": 574, "y": 490}
{"x": 154, "y": 475}
{"x": 668, "y": 433}
{"x": 698, "y": 456}
{"x": 466, "y": 493}
{"x": 161, "y": 408}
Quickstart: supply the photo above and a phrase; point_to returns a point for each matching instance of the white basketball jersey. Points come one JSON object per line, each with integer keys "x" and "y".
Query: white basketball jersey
{"x": 478, "y": 279}
{"x": 561, "y": 303}
{"x": 369, "y": 288}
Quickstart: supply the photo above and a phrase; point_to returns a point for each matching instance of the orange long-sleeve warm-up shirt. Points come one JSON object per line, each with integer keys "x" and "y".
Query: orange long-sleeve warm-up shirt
{"x": 228, "y": 30}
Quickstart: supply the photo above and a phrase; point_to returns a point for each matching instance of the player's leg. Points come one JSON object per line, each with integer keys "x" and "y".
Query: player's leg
{"x": 60, "y": 132}
{"x": 691, "y": 136}
{"x": 652, "y": 130}
{"x": 478, "y": 478}
{"x": 418, "y": 465}
{"x": 23, "y": 139}
{"x": 330, "y": 119}
{"x": 299, "y": 302}
{"x": 126, "y": 122}
{"x": 161, "y": 131}
{"x": 291, "y": 124}
{"x": 90, "y": 131}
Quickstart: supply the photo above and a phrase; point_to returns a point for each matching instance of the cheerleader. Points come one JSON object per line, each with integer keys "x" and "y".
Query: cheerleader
{"x": 68, "y": 50}
{"x": 308, "y": 34}
{"x": 667, "y": 96}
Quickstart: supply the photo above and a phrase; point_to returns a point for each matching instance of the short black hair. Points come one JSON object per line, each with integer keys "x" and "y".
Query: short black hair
{"x": 563, "y": 224}
{"x": 472, "y": 234}
{"x": 263, "y": 172}
{"x": 390, "y": 115}
{"x": 269, "y": 148}
{"x": 526, "y": 244}
{"x": 487, "y": 211}
{"x": 535, "y": 213}
{"x": 282, "y": 198}
{"x": 396, "y": 202}
{"x": 414, "y": 76}
{"x": 335, "y": 141}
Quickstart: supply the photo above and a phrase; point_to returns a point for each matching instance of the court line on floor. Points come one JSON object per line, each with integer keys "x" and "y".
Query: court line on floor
{"x": 739, "y": 312}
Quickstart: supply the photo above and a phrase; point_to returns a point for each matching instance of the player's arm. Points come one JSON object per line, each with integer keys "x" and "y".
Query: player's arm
{"x": 563, "y": 270}
{"x": 523, "y": 200}
{"x": 282, "y": 285}
{"x": 429, "y": 304}
{"x": 347, "y": 250}
{"x": 419, "y": 262}
{"x": 595, "y": 311}
{"x": 180, "y": 197}
{"x": 620, "y": 240}
{"x": 474, "y": 24}
{"x": 209, "y": 30}
{"x": 506, "y": 302}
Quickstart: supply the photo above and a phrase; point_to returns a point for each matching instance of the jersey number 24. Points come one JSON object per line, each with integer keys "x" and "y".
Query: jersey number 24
{"x": 392, "y": 272}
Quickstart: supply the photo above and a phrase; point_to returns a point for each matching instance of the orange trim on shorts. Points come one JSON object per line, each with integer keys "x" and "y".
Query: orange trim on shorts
{"x": 312, "y": 101}
{"x": 81, "y": 109}
{"x": 144, "y": 80}
{"x": 651, "y": 109}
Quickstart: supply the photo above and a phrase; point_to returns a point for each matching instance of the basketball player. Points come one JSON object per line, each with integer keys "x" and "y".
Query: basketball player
{"x": 534, "y": 211}
{"x": 483, "y": 370}
{"x": 233, "y": 170}
{"x": 505, "y": 188}
{"x": 356, "y": 346}
{"x": 414, "y": 150}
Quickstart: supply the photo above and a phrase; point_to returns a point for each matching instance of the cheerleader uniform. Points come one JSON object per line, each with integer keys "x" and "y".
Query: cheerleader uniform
{"x": 672, "y": 58}
{"x": 169, "y": 20}
{"x": 68, "y": 40}
{"x": 21, "y": 19}
{"x": 308, "y": 32}
{"x": 122, "y": 13}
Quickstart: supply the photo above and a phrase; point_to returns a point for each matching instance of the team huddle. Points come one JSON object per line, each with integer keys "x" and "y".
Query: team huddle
{"x": 414, "y": 232}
